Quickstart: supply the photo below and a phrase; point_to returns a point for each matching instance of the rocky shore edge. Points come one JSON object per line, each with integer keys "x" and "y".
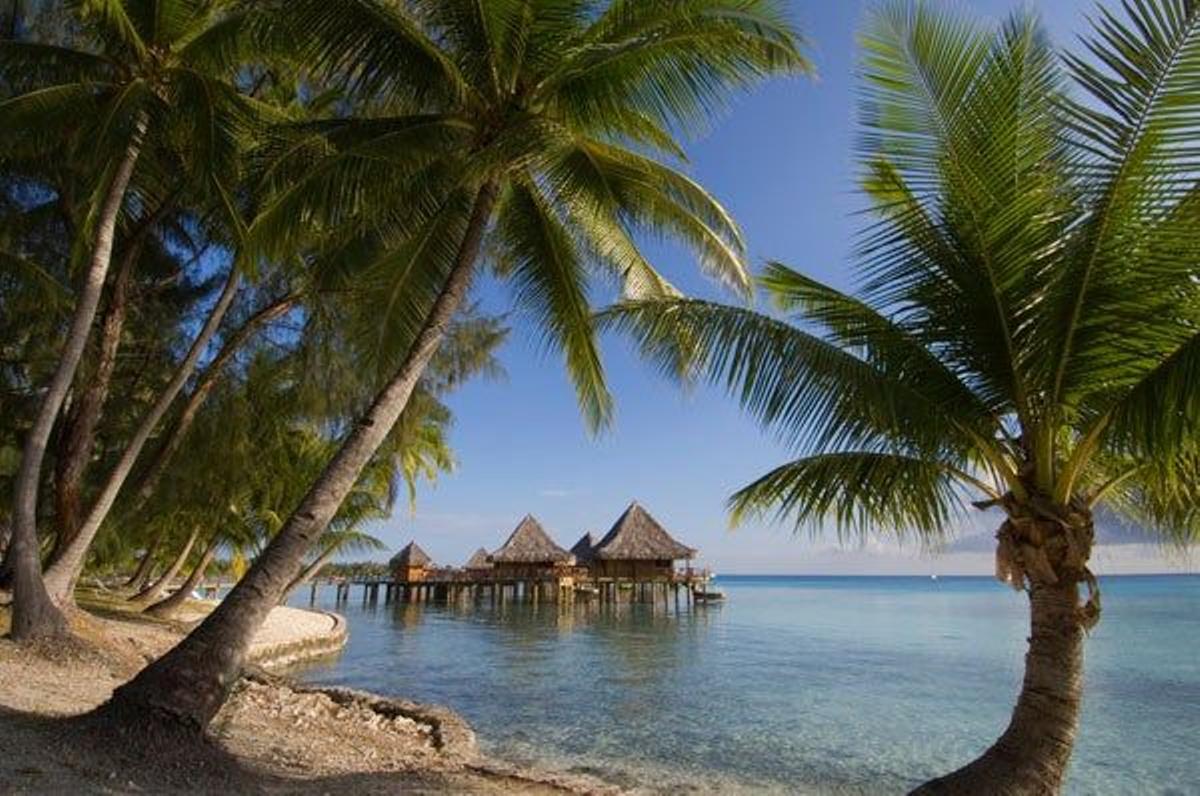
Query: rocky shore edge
{"x": 275, "y": 735}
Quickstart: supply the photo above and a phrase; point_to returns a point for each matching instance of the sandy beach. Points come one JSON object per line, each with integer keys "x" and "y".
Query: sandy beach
{"x": 273, "y": 736}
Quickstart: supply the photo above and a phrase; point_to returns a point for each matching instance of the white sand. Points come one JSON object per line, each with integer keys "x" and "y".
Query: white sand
{"x": 291, "y": 625}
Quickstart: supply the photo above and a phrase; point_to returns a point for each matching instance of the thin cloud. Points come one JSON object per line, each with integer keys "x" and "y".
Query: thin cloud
{"x": 555, "y": 493}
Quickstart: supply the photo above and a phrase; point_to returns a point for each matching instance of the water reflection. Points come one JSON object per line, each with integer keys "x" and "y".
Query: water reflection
{"x": 796, "y": 685}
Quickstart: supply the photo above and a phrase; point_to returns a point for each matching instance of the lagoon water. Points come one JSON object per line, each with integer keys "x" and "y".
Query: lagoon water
{"x": 795, "y": 684}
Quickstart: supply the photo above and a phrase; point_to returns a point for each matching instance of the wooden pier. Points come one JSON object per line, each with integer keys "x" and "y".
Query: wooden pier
{"x": 452, "y": 586}
{"x": 635, "y": 562}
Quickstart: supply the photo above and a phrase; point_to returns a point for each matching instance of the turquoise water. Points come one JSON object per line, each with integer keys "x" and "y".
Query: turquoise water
{"x": 796, "y": 684}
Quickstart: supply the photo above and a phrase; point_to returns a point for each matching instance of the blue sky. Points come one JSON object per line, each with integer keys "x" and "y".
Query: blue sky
{"x": 781, "y": 160}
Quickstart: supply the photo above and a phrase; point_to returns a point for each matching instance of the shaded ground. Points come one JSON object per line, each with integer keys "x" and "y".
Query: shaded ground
{"x": 272, "y": 736}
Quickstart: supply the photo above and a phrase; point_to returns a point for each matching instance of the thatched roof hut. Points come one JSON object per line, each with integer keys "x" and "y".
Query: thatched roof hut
{"x": 584, "y": 549}
{"x": 530, "y": 544}
{"x": 479, "y": 560}
{"x": 410, "y": 564}
{"x": 411, "y": 555}
{"x": 637, "y": 546}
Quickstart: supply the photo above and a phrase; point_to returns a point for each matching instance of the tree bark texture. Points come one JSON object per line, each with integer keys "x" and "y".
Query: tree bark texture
{"x": 152, "y": 592}
{"x": 166, "y": 607}
{"x": 188, "y": 685}
{"x": 78, "y": 437}
{"x": 63, "y": 574}
{"x": 137, "y": 581}
{"x": 1047, "y": 554}
{"x": 34, "y": 614}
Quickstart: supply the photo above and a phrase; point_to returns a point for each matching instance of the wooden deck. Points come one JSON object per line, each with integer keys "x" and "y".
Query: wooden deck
{"x": 560, "y": 585}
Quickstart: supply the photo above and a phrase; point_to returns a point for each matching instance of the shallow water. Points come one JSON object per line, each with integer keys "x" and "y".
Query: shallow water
{"x": 797, "y": 684}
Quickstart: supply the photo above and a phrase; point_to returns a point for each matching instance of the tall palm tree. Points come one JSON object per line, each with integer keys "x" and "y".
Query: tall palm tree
{"x": 1024, "y": 337}
{"x": 527, "y": 117}
{"x": 157, "y": 71}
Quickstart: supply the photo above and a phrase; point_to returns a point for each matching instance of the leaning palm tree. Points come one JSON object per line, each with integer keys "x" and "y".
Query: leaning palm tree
{"x": 150, "y": 74}
{"x": 1025, "y": 335}
{"x": 531, "y": 118}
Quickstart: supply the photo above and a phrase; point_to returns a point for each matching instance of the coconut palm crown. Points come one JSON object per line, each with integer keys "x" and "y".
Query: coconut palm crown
{"x": 561, "y": 112}
{"x": 1025, "y": 331}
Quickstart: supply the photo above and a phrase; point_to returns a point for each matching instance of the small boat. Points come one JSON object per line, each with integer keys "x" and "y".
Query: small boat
{"x": 705, "y": 594}
{"x": 588, "y": 591}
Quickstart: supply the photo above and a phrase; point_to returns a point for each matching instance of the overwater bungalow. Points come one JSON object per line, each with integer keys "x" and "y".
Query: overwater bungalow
{"x": 634, "y": 561}
{"x": 411, "y": 564}
{"x": 479, "y": 565}
{"x": 529, "y": 552}
{"x": 637, "y": 548}
{"x": 584, "y": 549}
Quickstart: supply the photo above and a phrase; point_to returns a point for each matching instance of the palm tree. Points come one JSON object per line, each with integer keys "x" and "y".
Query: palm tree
{"x": 1024, "y": 337}
{"x": 157, "y": 71}
{"x": 529, "y": 117}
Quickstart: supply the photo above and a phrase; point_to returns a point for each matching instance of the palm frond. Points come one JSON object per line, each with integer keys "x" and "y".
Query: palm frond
{"x": 312, "y": 185}
{"x": 1139, "y": 160}
{"x": 116, "y": 24}
{"x": 398, "y": 285}
{"x": 1161, "y": 496}
{"x": 810, "y": 391}
{"x": 551, "y": 283}
{"x": 886, "y": 344}
{"x": 966, "y": 164}
{"x": 1161, "y": 413}
{"x": 863, "y": 493}
{"x": 26, "y": 65}
{"x": 593, "y": 204}
{"x": 42, "y": 120}
{"x": 658, "y": 200}
{"x": 374, "y": 49}
{"x": 674, "y": 61}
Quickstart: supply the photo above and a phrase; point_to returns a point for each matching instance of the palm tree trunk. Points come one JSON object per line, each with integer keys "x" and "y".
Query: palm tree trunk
{"x": 63, "y": 573}
{"x": 212, "y": 374}
{"x": 34, "y": 614}
{"x": 5, "y": 547}
{"x": 308, "y": 573}
{"x": 142, "y": 574}
{"x": 79, "y": 428}
{"x": 1031, "y": 757}
{"x": 166, "y": 607}
{"x": 188, "y": 685}
{"x": 152, "y": 592}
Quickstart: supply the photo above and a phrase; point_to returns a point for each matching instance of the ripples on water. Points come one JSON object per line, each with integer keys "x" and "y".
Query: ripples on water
{"x": 811, "y": 685}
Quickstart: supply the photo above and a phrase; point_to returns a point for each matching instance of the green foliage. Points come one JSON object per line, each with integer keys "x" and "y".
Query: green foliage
{"x": 554, "y": 102}
{"x": 333, "y": 151}
{"x": 1026, "y": 320}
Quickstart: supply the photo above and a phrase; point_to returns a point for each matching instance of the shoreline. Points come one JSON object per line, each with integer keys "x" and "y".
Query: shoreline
{"x": 274, "y": 735}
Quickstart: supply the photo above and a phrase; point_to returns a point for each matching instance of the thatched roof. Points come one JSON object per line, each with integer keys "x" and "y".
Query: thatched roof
{"x": 637, "y": 536}
{"x": 529, "y": 544}
{"x": 410, "y": 556}
{"x": 478, "y": 560}
{"x": 584, "y": 548}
